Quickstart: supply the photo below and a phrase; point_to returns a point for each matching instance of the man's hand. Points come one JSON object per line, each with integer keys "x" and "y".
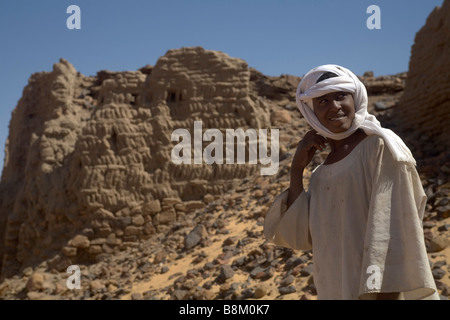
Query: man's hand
{"x": 306, "y": 148}
{"x": 303, "y": 156}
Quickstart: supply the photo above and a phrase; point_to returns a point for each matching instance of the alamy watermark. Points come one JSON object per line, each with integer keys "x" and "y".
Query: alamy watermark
{"x": 374, "y": 280}
{"x": 74, "y": 280}
{"x": 214, "y": 152}
{"x": 374, "y": 21}
{"x": 74, "y": 20}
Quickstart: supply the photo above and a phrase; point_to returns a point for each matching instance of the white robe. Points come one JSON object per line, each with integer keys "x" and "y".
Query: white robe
{"x": 362, "y": 216}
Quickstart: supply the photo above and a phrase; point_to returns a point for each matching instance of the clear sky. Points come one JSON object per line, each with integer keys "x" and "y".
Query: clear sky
{"x": 274, "y": 36}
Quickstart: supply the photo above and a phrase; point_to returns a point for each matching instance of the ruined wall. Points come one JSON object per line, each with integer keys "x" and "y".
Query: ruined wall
{"x": 425, "y": 105}
{"x": 88, "y": 165}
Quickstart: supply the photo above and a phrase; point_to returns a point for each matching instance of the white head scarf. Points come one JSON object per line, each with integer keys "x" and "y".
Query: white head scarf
{"x": 348, "y": 82}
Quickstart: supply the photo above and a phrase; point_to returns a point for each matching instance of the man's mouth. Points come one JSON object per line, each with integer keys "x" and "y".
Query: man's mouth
{"x": 338, "y": 116}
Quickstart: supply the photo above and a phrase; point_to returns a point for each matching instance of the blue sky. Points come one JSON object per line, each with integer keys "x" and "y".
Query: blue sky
{"x": 275, "y": 37}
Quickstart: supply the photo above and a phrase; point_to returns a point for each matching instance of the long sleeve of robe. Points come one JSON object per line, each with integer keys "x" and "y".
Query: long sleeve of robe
{"x": 362, "y": 216}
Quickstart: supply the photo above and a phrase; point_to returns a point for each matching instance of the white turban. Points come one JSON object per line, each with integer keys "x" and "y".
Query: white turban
{"x": 348, "y": 82}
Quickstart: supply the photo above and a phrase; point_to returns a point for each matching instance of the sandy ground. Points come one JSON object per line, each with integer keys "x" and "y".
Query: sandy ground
{"x": 238, "y": 228}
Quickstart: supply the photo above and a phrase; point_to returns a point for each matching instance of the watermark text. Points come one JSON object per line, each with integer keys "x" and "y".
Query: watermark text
{"x": 74, "y": 280}
{"x": 374, "y": 280}
{"x": 214, "y": 152}
{"x": 74, "y": 20}
{"x": 374, "y": 21}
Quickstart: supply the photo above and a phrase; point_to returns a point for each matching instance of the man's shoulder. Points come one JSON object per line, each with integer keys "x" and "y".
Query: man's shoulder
{"x": 373, "y": 140}
{"x": 372, "y": 149}
{"x": 372, "y": 144}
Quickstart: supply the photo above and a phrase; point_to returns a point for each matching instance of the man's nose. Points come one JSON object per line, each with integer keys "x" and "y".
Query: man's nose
{"x": 334, "y": 105}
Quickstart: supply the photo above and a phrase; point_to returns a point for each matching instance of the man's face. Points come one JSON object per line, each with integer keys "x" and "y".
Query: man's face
{"x": 335, "y": 110}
